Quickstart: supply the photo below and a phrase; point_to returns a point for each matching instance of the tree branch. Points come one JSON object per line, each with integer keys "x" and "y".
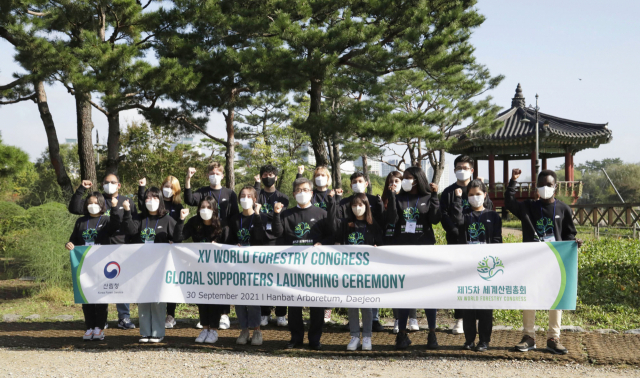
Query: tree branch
{"x": 12, "y": 84}
{"x": 32, "y": 97}
{"x": 188, "y": 122}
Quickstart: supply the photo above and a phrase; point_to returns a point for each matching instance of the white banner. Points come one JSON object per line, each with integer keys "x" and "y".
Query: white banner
{"x": 481, "y": 276}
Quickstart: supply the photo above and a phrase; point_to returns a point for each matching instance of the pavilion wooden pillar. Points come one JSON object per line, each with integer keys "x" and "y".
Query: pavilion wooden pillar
{"x": 544, "y": 163}
{"x": 533, "y": 166}
{"x": 568, "y": 165}
{"x": 492, "y": 173}
{"x": 506, "y": 175}
{"x": 475, "y": 169}
{"x": 571, "y": 169}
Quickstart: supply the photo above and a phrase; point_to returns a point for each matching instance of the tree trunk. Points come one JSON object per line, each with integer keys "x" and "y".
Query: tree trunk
{"x": 313, "y": 126}
{"x": 331, "y": 160}
{"x": 231, "y": 150}
{"x": 365, "y": 170}
{"x": 412, "y": 154}
{"x": 52, "y": 138}
{"x": 337, "y": 180}
{"x": 85, "y": 146}
{"x": 113, "y": 143}
{"x": 437, "y": 164}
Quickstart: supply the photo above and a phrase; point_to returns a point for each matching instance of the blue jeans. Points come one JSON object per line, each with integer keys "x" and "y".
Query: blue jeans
{"x": 375, "y": 314}
{"x": 123, "y": 310}
{"x": 248, "y": 316}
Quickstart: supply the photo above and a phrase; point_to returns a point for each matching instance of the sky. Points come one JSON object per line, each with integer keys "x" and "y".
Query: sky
{"x": 546, "y": 46}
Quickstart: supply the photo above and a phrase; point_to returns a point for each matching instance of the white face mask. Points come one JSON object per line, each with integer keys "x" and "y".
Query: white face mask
{"x": 321, "y": 181}
{"x": 110, "y": 188}
{"x": 358, "y": 187}
{"x": 476, "y": 201}
{"x": 546, "y": 192}
{"x": 463, "y": 175}
{"x": 152, "y": 205}
{"x": 93, "y": 208}
{"x": 358, "y": 210}
{"x": 167, "y": 192}
{"x": 246, "y": 203}
{"x": 303, "y": 198}
{"x": 206, "y": 214}
{"x": 215, "y": 179}
{"x": 407, "y": 185}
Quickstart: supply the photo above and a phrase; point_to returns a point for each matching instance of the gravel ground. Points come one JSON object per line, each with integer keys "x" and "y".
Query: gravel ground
{"x": 187, "y": 363}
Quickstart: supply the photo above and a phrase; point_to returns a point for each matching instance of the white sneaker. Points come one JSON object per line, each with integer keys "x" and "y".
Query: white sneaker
{"x": 169, "y": 322}
{"x": 396, "y": 327}
{"x": 413, "y": 325}
{"x": 457, "y": 328}
{"x": 264, "y": 320}
{"x": 98, "y": 334}
{"x": 156, "y": 339}
{"x": 256, "y": 338}
{"x": 88, "y": 335}
{"x": 212, "y": 337}
{"x": 327, "y": 316}
{"x": 366, "y": 343}
{"x": 354, "y": 343}
{"x": 144, "y": 339}
{"x": 199, "y": 326}
{"x": 243, "y": 338}
{"x": 282, "y": 321}
{"x": 225, "y": 323}
{"x": 203, "y": 335}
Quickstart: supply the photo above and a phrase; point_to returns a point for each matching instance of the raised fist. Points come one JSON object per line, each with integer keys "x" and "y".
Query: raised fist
{"x": 434, "y": 187}
{"x": 114, "y": 201}
{"x": 300, "y": 169}
{"x": 126, "y": 205}
{"x": 257, "y": 178}
{"x": 332, "y": 192}
{"x": 184, "y": 213}
{"x": 458, "y": 192}
{"x": 258, "y": 207}
{"x": 480, "y": 178}
{"x": 277, "y": 207}
{"x": 69, "y": 246}
{"x": 339, "y": 192}
{"x": 87, "y": 184}
{"x": 142, "y": 181}
{"x": 190, "y": 172}
{"x": 515, "y": 173}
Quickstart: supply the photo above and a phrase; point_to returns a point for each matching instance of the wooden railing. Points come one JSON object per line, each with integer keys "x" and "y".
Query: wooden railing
{"x": 528, "y": 190}
{"x": 607, "y": 215}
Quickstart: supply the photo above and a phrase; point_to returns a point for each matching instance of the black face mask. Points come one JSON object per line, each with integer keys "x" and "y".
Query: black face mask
{"x": 268, "y": 181}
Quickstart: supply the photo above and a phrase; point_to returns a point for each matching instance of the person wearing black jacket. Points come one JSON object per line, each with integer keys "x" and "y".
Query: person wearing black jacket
{"x": 206, "y": 227}
{"x": 173, "y": 203}
{"x": 94, "y": 228}
{"x": 268, "y": 197}
{"x": 463, "y": 168}
{"x": 156, "y": 226}
{"x": 111, "y": 187}
{"x": 360, "y": 185}
{"x": 418, "y": 210}
{"x": 477, "y": 225}
{"x": 321, "y": 183}
{"x": 359, "y": 229}
{"x": 304, "y": 225}
{"x": 227, "y": 203}
{"x": 543, "y": 220}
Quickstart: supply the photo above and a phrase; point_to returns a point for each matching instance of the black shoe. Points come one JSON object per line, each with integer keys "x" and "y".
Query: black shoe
{"x": 377, "y": 327}
{"x": 318, "y": 346}
{"x": 402, "y": 341}
{"x": 468, "y": 345}
{"x": 482, "y": 346}
{"x": 293, "y": 345}
{"x": 432, "y": 341}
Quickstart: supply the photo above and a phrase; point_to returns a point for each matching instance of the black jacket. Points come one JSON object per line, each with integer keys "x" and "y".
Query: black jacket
{"x": 227, "y": 200}
{"x": 446, "y": 200}
{"x": 159, "y": 229}
{"x": 97, "y": 230}
{"x": 476, "y": 227}
{"x": 308, "y": 226}
{"x": 246, "y": 230}
{"x": 424, "y": 209}
{"x": 172, "y": 209}
{"x": 267, "y": 200}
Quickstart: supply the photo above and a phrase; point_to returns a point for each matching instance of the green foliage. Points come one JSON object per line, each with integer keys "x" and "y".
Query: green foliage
{"x": 598, "y": 189}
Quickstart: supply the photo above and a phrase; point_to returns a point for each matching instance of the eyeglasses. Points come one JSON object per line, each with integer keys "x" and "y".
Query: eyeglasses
{"x": 301, "y": 191}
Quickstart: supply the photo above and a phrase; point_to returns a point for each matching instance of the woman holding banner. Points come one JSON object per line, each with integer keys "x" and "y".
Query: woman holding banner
{"x": 206, "y": 227}
{"x": 418, "y": 209}
{"x": 94, "y": 228}
{"x": 155, "y": 226}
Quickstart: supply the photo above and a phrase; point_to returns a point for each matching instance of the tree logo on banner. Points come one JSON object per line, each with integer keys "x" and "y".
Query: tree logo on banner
{"x": 356, "y": 238}
{"x": 302, "y": 229}
{"x": 489, "y": 267}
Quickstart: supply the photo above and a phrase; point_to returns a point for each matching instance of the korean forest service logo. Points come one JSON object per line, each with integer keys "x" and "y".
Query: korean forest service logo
{"x": 489, "y": 267}
{"x": 112, "y": 270}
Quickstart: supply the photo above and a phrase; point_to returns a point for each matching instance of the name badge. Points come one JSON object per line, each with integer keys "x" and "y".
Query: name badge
{"x": 476, "y": 242}
{"x": 89, "y": 243}
{"x": 149, "y": 242}
{"x": 549, "y": 238}
{"x": 410, "y": 228}
{"x": 268, "y": 226}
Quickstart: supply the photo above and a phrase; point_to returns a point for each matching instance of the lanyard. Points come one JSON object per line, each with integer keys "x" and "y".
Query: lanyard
{"x": 154, "y": 227}
{"x": 553, "y": 220}
{"x": 267, "y": 199}
{"x": 96, "y": 223}
{"x": 219, "y": 196}
{"x": 323, "y": 198}
{"x": 418, "y": 200}
{"x": 473, "y": 216}
{"x": 250, "y": 221}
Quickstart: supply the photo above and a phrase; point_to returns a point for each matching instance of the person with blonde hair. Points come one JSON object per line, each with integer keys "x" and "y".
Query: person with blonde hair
{"x": 321, "y": 183}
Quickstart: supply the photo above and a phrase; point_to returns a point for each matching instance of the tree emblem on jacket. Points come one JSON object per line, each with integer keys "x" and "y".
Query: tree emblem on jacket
{"x": 302, "y": 229}
{"x": 489, "y": 267}
{"x": 356, "y": 238}
{"x": 411, "y": 213}
{"x": 89, "y": 234}
{"x": 148, "y": 234}
{"x": 543, "y": 225}
{"x": 475, "y": 230}
{"x": 244, "y": 236}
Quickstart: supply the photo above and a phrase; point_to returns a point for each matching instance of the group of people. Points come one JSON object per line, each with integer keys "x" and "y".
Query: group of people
{"x": 404, "y": 214}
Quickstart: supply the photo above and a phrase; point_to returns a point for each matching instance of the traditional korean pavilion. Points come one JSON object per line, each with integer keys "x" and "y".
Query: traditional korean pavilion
{"x": 516, "y": 140}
